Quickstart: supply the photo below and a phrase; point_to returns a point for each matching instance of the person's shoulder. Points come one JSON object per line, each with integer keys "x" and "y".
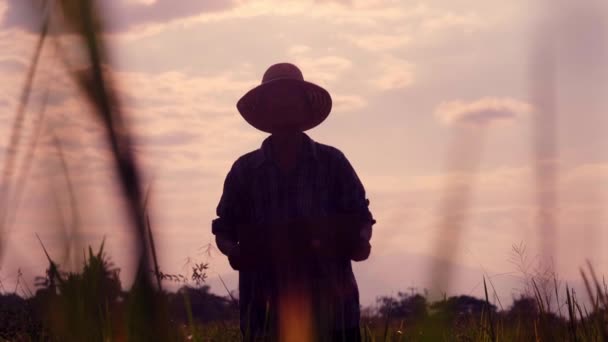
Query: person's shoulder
{"x": 242, "y": 167}
{"x": 329, "y": 152}
{"x": 248, "y": 160}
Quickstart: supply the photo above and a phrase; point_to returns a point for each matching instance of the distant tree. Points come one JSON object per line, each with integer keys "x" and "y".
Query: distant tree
{"x": 463, "y": 306}
{"x": 523, "y": 308}
{"x": 204, "y": 305}
{"x": 525, "y": 313}
{"x": 403, "y": 306}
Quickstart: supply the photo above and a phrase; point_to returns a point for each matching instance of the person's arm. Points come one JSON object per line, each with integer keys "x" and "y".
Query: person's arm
{"x": 351, "y": 201}
{"x": 225, "y": 244}
{"x": 231, "y": 213}
{"x": 362, "y": 248}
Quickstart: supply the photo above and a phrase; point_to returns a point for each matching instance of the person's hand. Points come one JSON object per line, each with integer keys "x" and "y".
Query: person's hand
{"x": 248, "y": 257}
{"x": 349, "y": 237}
{"x": 360, "y": 251}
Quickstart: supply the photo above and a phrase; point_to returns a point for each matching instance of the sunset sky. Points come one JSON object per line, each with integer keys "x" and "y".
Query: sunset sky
{"x": 429, "y": 97}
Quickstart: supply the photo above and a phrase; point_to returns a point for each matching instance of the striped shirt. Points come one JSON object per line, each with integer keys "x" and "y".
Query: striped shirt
{"x": 322, "y": 184}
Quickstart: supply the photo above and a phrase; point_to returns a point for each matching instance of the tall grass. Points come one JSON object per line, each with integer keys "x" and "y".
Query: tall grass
{"x": 83, "y": 19}
{"x": 90, "y": 305}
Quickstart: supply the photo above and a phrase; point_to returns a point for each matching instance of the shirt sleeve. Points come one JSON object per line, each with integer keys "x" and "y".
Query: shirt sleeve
{"x": 231, "y": 210}
{"x": 351, "y": 198}
{"x": 352, "y": 201}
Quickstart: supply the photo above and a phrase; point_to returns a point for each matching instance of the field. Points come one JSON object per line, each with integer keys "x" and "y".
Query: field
{"x": 92, "y": 306}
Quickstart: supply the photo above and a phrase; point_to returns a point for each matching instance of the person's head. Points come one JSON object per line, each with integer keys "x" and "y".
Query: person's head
{"x": 287, "y": 104}
{"x": 284, "y": 102}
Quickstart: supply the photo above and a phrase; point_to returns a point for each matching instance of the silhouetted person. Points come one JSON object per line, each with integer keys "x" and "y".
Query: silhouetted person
{"x": 292, "y": 217}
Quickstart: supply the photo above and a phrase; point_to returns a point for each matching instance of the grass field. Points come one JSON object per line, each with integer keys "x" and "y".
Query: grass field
{"x": 92, "y": 306}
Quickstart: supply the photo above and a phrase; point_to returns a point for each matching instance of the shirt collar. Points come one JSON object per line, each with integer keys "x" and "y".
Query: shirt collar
{"x": 264, "y": 153}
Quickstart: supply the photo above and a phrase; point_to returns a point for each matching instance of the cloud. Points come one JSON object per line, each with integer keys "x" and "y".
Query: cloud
{"x": 322, "y": 69}
{"x": 378, "y": 41}
{"x": 467, "y": 23}
{"x": 21, "y": 14}
{"x": 347, "y": 103}
{"x": 179, "y": 92}
{"x": 363, "y": 13}
{"x": 168, "y": 139}
{"x": 162, "y": 11}
{"x": 481, "y": 112}
{"x": 122, "y": 14}
{"x": 12, "y": 65}
{"x": 298, "y": 49}
{"x": 394, "y": 74}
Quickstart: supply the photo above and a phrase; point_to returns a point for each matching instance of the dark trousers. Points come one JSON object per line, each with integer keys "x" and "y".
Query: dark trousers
{"x": 259, "y": 293}
{"x": 347, "y": 335}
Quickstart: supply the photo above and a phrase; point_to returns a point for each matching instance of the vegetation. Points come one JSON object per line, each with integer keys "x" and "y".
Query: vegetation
{"x": 91, "y": 306}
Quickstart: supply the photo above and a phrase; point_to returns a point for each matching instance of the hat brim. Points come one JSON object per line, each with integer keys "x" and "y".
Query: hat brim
{"x": 318, "y": 98}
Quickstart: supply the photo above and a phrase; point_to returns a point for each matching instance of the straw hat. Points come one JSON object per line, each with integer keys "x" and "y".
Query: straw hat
{"x": 253, "y": 105}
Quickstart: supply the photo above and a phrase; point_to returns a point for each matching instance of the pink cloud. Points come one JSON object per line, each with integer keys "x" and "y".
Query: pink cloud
{"x": 160, "y": 11}
{"x": 481, "y": 112}
{"x": 123, "y": 14}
